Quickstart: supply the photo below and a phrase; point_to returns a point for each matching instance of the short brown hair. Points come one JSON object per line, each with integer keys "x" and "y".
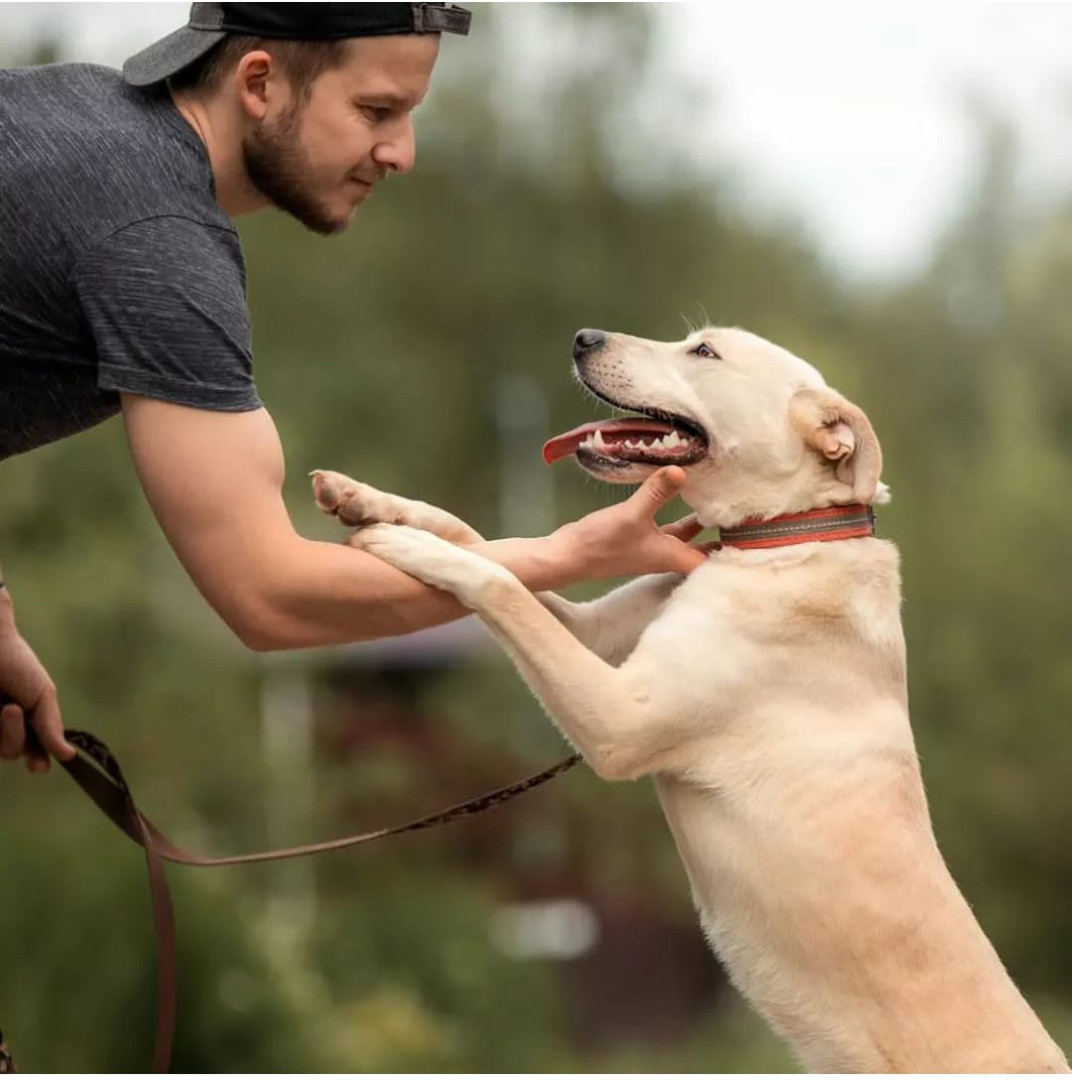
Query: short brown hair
{"x": 302, "y": 61}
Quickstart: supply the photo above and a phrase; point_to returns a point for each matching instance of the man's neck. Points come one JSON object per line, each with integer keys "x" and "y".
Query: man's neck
{"x": 222, "y": 138}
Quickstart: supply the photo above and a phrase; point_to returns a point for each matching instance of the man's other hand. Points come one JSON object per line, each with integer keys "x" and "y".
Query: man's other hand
{"x": 31, "y": 726}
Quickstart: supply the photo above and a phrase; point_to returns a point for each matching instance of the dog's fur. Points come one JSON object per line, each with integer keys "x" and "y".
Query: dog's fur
{"x": 766, "y": 695}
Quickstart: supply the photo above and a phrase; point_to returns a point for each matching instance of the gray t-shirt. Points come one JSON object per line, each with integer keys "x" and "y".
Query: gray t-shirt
{"x": 119, "y": 271}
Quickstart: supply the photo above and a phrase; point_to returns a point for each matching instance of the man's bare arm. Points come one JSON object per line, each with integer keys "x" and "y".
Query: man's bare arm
{"x": 214, "y": 481}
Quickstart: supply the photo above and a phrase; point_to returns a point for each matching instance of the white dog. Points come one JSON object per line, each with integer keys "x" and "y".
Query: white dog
{"x": 766, "y": 695}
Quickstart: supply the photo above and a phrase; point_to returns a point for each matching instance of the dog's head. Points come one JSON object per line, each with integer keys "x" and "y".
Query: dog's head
{"x": 757, "y": 430}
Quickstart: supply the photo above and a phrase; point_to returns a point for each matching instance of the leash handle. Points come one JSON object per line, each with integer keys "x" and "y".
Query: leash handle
{"x": 97, "y": 773}
{"x": 7, "y": 1065}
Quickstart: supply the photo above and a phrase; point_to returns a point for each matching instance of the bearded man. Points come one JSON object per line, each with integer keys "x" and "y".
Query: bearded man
{"x": 122, "y": 291}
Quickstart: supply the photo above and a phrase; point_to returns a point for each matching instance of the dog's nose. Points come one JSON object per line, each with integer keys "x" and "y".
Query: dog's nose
{"x": 586, "y": 341}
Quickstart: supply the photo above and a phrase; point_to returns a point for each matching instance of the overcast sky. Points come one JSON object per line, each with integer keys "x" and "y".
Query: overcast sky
{"x": 848, "y": 114}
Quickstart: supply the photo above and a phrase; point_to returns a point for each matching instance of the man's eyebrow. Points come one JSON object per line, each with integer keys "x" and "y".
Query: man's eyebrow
{"x": 385, "y": 99}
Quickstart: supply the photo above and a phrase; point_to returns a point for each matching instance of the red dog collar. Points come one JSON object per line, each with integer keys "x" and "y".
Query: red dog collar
{"x": 830, "y": 523}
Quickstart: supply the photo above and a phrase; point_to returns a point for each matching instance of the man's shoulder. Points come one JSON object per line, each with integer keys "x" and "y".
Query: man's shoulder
{"x": 80, "y": 142}
{"x": 78, "y": 110}
{"x": 55, "y": 80}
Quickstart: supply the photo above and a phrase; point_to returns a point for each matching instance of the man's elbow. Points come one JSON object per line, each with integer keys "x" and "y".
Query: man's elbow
{"x": 257, "y": 634}
{"x": 264, "y": 626}
{"x": 259, "y": 625}
{"x": 257, "y": 640}
{"x": 270, "y": 612}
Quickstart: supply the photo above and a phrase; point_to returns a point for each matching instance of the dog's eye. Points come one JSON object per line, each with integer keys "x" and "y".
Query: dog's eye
{"x": 703, "y": 349}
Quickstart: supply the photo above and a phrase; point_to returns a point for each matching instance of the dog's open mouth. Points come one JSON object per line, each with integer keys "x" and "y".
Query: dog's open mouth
{"x": 654, "y": 439}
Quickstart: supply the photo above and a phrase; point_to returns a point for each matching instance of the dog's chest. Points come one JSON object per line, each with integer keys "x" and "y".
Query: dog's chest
{"x": 744, "y": 631}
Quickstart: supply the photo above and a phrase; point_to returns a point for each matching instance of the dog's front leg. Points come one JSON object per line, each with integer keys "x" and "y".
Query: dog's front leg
{"x": 609, "y": 626}
{"x": 612, "y": 624}
{"x": 606, "y": 712}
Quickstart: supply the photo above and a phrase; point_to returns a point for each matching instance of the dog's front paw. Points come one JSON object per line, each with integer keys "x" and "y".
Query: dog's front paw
{"x": 358, "y": 504}
{"x": 352, "y": 502}
{"x": 437, "y": 562}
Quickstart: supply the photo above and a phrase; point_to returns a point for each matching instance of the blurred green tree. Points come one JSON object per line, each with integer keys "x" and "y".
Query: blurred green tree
{"x": 547, "y": 197}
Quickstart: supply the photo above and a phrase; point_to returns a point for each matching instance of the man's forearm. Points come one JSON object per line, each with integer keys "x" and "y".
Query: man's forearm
{"x": 329, "y": 594}
{"x": 214, "y": 481}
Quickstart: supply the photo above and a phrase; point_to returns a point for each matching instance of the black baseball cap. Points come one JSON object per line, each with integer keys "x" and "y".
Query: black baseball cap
{"x": 210, "y": 23}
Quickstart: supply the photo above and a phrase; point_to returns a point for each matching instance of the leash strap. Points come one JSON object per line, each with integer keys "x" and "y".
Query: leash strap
{"x": 98, "y": 774}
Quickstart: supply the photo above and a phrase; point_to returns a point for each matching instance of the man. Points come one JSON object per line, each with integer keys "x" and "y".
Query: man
{"x": 122, "y": 290}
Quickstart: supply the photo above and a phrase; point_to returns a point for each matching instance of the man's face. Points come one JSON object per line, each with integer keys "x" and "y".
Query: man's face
{"x": 317, "y": 157}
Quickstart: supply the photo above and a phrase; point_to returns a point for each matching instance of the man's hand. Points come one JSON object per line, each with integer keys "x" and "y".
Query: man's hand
{"x": 30, "y": 722}
{"x": 625, "y": 541}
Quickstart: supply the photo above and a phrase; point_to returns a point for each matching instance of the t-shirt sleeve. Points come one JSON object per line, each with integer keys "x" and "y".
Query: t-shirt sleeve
{"x": 164, "y": 300}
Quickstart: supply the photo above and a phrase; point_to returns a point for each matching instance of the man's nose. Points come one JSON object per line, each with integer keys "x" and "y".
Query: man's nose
{"x": 398, "y": 153}
{"x": 587, "y": 341}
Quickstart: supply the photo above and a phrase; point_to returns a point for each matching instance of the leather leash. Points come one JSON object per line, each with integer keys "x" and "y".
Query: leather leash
{"x": 98, "y": 774}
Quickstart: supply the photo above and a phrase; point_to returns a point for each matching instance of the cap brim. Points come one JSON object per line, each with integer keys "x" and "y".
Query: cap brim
{"x": 170, "y": 55}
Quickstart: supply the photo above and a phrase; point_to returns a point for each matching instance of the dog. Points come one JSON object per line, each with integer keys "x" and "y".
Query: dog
{"x": 765, "y": 693}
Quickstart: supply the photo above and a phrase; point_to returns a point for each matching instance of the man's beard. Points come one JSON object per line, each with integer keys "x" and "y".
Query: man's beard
{"x": 280, "y": 170}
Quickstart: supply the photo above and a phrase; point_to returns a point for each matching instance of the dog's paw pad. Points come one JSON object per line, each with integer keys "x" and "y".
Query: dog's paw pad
{"x": 329, "y": 489}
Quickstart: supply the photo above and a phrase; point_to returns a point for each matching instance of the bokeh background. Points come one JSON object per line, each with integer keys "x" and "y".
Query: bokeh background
{"x": 883, "y": 189}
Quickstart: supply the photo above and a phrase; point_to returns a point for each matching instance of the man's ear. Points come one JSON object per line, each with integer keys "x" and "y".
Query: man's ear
{"x": 251, "y": 78}
{"x": 841, "y": 432}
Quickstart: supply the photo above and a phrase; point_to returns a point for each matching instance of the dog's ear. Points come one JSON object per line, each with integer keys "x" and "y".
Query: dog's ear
{"x": 841, "y": 432}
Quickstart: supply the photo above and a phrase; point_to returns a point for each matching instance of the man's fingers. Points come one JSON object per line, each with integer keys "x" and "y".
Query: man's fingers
{"x": 658, "y": 489}
{"x": 48, "y": 725}
{"x": 685, "y": 528}
{"x": 36, "y": 761}
{"x": 12, "y": 732}
{"x": 687, "y": 559}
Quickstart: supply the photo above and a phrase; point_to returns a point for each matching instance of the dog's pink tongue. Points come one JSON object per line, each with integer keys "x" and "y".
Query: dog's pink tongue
{"x": 566, "y": 445}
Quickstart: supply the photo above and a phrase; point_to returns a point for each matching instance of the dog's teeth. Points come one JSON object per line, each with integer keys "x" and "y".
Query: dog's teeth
{"x": 670, "y": 441}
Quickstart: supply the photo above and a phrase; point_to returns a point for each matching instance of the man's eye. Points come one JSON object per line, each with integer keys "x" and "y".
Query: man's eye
{"x": 377, "y": 114}
{"x": 703, "y": 349}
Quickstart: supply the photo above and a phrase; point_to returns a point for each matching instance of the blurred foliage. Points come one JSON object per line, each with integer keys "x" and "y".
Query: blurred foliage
{"x": 539, "y": 205}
